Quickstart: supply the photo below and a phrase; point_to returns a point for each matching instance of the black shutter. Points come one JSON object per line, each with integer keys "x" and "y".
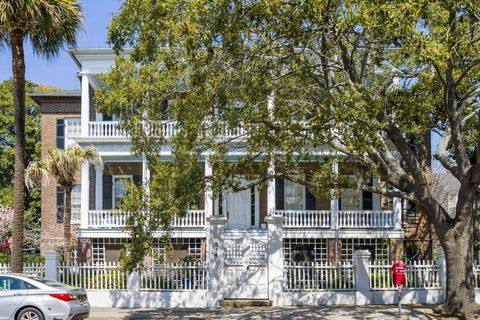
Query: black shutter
{"x": 60, "y": 133}
{"x": 367, "y": 198}
{"x": 137, "y": 180}
{"x": 107, "y": 192}
{"x": 279, "y": 194}
{"x": 60, "y": 204}
{"x": 220, "y": 204}
{"x": 339, "y": 203}
{"x": 309, "y": 200}
{"x": 164, "y": 111}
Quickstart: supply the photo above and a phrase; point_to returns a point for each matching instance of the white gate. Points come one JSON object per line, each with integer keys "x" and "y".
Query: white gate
{"x": 246, "y": 268}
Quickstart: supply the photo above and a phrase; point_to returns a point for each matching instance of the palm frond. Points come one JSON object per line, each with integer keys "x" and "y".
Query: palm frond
{"x": 35, "y": 174}
{"x": 49, "y": 24}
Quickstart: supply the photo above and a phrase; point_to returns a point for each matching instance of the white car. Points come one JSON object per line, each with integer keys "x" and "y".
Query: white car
{"x": 24, "y": 297}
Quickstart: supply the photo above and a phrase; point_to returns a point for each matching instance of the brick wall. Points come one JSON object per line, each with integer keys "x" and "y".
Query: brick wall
{"x": 53, "y": 108}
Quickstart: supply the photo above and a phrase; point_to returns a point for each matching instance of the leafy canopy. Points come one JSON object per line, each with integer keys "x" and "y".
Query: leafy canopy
{"x": 358, "y": 81}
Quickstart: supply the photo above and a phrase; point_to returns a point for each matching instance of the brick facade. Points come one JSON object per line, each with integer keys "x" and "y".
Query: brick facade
{"x": 53, "y": 108}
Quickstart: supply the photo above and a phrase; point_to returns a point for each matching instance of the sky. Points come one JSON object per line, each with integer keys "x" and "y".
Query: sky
{"x": 61, "y": 71}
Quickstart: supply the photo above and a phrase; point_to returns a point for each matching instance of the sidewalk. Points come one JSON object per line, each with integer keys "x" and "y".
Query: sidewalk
{"x": 380, "y": 312}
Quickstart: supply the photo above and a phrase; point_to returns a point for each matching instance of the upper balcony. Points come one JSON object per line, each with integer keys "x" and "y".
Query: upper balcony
{"x": 110, "y": 130}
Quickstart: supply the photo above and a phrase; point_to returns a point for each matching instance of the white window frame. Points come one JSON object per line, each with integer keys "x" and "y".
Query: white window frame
{"x": 76, "y": 214}
{"x": 304, "y": 204}
{"x": 114, "y": 177}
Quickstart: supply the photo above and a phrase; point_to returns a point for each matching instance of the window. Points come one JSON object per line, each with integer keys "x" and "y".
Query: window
{"x": 294, "y": 196}
{"x": 8, "y": 283}
{"x": 379, "y": 248}
{"x": 305, "y": 250}
{"x": 60, "y": 133}
{"x": 120, "y": 191}
{"x": 76, "y": 202}
{"x": 177, "y": 249}
{"x": 350, "y": 200}
{"x": 98, "y": 251}
{"x": 60, "y": 204}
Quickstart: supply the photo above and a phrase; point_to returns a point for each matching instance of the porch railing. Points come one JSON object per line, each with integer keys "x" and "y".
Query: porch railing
{"x": 365, "y": 219}
{"x": 305, "y": 218}
{"x": 110, "y": 219}
{"x": 111, "y": 129}
{"x": 105, "y": 129}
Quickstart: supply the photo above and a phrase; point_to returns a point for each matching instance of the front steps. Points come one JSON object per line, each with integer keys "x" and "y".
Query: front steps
{"x": 243, "y": 303}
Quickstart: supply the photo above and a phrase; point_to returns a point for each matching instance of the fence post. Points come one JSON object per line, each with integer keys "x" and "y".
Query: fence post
{"x": 52, "y": 260}
{"x": 275, "y": 256}
{"x": 442, "y": 272}
{"x": 215, "y": 260}
{"x": 361, "y": 259}
{"x": 133, "y": 288}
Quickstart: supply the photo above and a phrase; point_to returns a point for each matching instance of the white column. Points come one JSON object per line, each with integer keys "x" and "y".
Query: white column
{"x": 275, "y": 257}
{"x": 85, "y": 194}
{"x": 334, "y": 202}
{"x": 85, "y": 105}
{"x": 376, "y": 206}
{"x": 98, "y": 188}
{"x": 208, "y": 190}
{"x": 397, "y": 213}
{"x": 271, "y": 190}
{"x": 215, "y": 260}
{"x": 363, "y": 295}
{"x": 145, "y": 175}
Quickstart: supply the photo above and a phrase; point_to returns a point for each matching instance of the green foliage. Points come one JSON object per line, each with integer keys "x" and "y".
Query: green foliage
{"x": 5, "y": 258}
{"x": 351, "y": 81}
{"x": 7, "y": 156}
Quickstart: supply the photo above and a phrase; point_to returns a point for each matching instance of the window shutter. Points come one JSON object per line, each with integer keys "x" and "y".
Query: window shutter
{"x": 60, "y": 204}
{"x": 137, "y": 180}
{"x": 367, "y": 198}
{"x": 220, "y": 204}
{"x": 107, "y": 192}
{"x": 60, "y": 133}
{"x": 309, "y": 200}
{"x": 279, "y": 194}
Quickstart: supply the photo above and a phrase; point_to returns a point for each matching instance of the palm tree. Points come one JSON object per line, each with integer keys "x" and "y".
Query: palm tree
{"x": 63, "y": 166}
{"x": 49, "y": 25}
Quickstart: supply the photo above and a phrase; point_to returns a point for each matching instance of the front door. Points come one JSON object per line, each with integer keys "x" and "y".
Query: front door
{"x": 246, "y": 268}
{"x": 242, "y": 208}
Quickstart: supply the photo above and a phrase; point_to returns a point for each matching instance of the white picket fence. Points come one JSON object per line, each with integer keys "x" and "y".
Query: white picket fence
{"x": 419, "y": 274}
{"x": 36, "y": 269}
{"x": 314, "y": 276}
{"x": 174, "y": 276}
{"x": 93, "y": 277}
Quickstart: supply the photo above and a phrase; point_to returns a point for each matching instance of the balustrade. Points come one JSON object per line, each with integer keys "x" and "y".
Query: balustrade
{"x": 109, "y": 219}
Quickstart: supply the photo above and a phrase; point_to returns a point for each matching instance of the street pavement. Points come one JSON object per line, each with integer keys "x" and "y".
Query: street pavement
{"x": 380, "y": 312}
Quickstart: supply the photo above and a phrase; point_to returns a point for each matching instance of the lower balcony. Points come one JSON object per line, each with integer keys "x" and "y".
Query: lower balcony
{"x": 355, "y": 219}
{"x": 110, "y": 219}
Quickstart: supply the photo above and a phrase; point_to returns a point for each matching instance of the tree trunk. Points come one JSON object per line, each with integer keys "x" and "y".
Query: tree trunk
{"x": 66, "y": 225}
{"x": 457, "y": 243}
{"x": 18, "y": 69}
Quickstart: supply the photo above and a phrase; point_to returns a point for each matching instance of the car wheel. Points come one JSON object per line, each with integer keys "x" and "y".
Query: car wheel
{"x": 30, "y": 314}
